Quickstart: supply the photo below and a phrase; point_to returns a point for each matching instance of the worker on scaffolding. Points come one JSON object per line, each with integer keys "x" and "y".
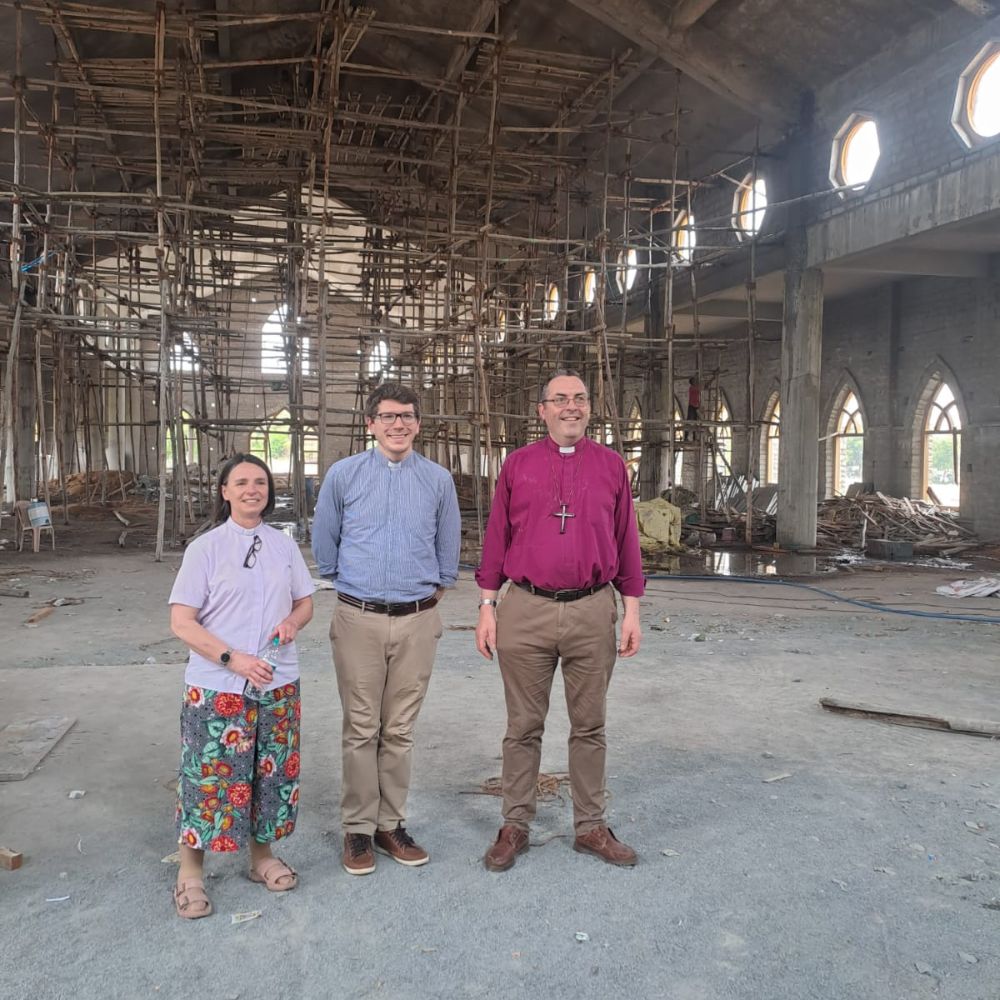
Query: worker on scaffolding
{"x": 694, "y": 404}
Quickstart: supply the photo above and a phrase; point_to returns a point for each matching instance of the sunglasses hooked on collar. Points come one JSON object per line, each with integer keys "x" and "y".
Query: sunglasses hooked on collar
{"x": 251, "y": 557}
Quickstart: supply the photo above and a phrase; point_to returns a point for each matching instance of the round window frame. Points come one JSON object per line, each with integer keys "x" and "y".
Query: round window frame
{"x": 968, "y": 81}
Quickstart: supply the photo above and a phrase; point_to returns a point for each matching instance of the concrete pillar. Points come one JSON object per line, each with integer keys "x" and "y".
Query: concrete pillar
{"x": 656, "y": 404}
{"x": 798, "y": 455}
{"x": 23, "y": 425}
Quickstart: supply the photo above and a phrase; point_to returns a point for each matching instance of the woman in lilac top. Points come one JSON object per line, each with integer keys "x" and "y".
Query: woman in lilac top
{"x": 241, "y": 595}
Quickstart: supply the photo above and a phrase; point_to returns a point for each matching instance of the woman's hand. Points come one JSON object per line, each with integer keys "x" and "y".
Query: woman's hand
{"x": 286, "y": 632}
{"x": 255, "y": 670}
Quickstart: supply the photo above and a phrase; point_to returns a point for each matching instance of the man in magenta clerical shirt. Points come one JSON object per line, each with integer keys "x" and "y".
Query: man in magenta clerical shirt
{"x": 562, "y": 529}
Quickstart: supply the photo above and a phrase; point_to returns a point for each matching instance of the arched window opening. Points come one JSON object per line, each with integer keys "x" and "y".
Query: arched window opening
{"x": 273, "y": 338}
{"x": 685, "y": 238}
{"x": 632, "y": 434}
{"x": 942, "y": 448}
{"x": 750, "y": 206}
{"x": 378, "y": 360}
{"x": 272, "y": 443}
{"x": 772, "y": 441}
{"x": 192, "y": 446}
{"x": 848, "y": 445}
{"x": 723, "y": 440}
{"x": 310, "y": 452}
{"x": 551, "y": 303}
{"x": 627, "y": 270}
{"x": 185, "y": 355}
{"x": 589, "y": 287}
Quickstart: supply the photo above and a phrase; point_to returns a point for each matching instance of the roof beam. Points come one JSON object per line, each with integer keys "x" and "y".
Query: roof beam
{"x": 715, "y": 63}
{"x": 766, "y": 312}
{"x": 686, "y": 13}
{"x": 916, "y": 261}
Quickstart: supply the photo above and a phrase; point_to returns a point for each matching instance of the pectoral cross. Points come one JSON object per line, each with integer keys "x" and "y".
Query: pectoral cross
{"x": 562, "y": 514}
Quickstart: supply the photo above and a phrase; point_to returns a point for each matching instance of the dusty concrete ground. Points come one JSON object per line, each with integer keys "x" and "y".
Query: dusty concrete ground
{"x": 871, "y": 871}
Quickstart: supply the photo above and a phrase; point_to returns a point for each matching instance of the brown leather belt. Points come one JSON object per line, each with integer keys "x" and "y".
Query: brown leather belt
{"x": 561, "y": 595}
{"x": 393, "y": 610}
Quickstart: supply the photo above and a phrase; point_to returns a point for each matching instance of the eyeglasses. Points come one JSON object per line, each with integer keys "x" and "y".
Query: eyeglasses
{"x": 251, "y": 558}
{"x": 388, "y": 419}
{"x": 580, "y": 399}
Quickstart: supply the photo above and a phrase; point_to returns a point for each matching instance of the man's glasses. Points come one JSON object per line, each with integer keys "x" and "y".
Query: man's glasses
{"x": 580, "y": 399}
{"x": 251, "y": 558}
{"x": 388, "y": 419}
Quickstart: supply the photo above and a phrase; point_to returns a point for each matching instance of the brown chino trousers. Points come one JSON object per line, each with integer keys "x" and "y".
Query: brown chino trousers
{"x": 533, "y": 634}
{"x": 383, "y": 668}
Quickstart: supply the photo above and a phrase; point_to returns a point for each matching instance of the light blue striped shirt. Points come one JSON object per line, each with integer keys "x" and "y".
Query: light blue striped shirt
{"x": 387, "y": 531}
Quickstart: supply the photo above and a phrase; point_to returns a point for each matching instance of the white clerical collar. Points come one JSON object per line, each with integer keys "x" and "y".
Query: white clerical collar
{"x": 571, "y": 450}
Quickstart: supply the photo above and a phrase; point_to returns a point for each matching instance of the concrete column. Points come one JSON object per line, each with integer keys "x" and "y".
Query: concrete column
{"x": 23, "y": 423}
{"x": 657, "y": 401}
{"x": 798, "y": 455}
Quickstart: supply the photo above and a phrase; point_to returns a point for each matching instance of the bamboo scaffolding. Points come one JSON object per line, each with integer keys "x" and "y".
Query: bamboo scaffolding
{"x": 386, "y": 235}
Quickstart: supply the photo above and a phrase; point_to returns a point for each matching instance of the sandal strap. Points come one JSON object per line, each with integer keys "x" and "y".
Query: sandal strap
{"x": 190, "y": 892}
{"x": 266, "y": 870}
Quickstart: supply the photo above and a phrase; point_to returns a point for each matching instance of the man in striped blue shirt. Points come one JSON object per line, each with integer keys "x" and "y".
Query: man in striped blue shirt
{"x": 386, "y": 533}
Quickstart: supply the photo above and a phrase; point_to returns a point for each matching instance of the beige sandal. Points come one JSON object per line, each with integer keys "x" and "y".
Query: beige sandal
{"x": 275, "y": 874}
{"x": 191, "y": 900}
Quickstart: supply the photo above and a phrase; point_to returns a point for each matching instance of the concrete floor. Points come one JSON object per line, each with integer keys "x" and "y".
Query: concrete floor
{"x": 871, "y": 871}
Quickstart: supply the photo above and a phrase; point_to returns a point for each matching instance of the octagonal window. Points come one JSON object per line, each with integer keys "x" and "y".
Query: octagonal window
{"x": 749, "y": 206}
{"x": 976, "y": 117}
{"x": 685, "y": 238}
{"x": 626, "y": 271}
{"x": 856, "y": 152}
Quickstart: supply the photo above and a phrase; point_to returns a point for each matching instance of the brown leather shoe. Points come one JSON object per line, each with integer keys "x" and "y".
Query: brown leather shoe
{"x": 400, "y": 846}
{"x": 511, "y": 841}
{"x": 359, "y": 858}
{"x": 603, "y": 844}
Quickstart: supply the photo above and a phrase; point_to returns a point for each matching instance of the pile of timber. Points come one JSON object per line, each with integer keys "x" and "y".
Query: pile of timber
{"x": 851, "y": 521}
{"x": 93, "y": 487}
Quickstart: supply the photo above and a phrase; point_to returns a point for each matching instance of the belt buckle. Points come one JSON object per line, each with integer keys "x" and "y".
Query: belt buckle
{"x": 561, "y": 595}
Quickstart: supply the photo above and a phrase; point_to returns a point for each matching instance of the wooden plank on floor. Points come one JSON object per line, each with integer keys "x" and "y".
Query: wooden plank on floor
{"x": 908, "y": 717}
{"x": 25, "y": 743}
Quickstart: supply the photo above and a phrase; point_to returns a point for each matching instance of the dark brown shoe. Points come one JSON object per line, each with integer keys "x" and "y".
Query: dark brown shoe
{"x": 603, "y": 844}
{"x": 359, "y": 858}
{"x": 511, "y": 841}
{"x": 400, "y": 846}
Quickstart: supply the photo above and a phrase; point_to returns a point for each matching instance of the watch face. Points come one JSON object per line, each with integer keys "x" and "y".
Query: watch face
{"x": 225, "y": 658}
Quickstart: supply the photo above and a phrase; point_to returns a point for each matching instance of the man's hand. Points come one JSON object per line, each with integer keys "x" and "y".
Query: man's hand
{"x": 486, "y": 631}
{"x": 631, "y": 637}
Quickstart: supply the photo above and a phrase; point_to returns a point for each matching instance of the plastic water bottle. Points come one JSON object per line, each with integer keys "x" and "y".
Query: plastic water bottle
{"x": 269, "y": 654}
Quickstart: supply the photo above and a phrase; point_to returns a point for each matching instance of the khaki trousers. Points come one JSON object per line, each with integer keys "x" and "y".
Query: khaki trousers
{"x": 383, "y": 668}
{"x": 533, "y": 634}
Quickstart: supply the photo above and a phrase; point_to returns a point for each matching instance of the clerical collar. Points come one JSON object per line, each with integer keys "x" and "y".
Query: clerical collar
{"x": 571, "y": 450}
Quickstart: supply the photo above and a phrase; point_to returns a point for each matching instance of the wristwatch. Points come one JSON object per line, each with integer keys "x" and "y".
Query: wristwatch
{"x": 226, "y": 657}
{"x": 488, "y": 602}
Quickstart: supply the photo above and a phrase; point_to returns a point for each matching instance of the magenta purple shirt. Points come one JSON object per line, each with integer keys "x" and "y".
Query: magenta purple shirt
{"x": 241, "y": 605}
{"x": 601, "y": 541}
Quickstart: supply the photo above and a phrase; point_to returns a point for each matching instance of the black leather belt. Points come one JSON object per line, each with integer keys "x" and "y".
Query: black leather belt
{"x": 393, "y": 610}
{"x": 561, "y": 595}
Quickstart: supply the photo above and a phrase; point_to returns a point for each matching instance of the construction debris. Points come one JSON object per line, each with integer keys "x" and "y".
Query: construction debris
{"x": 659, "y": 527}
{"x": 985, "y": 586}
{"x": 37, "y": 617}
{"x": 852, "y": 522}
{"x": 549, "y": 786}
{"x": 10, "y": 859}
{"x": 920, "y": 720}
